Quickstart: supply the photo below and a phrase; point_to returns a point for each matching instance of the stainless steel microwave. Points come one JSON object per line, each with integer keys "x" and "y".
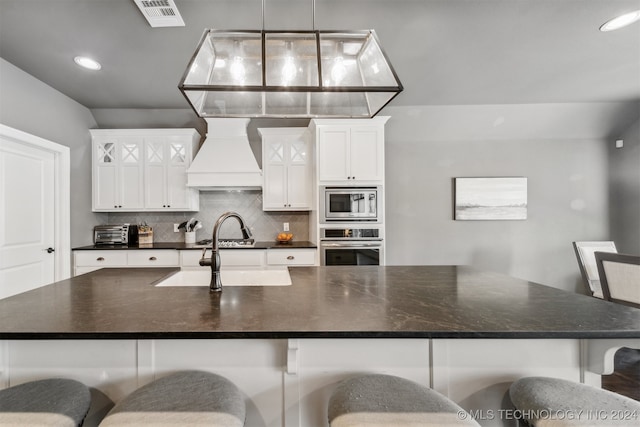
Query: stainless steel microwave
{"x": 350, "y": 204}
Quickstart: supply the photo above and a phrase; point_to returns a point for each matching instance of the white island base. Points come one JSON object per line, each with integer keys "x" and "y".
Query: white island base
{"x": 288, "y": 382}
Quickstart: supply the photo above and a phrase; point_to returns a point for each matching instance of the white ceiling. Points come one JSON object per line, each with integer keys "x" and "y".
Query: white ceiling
{"x": 446, "y": 52}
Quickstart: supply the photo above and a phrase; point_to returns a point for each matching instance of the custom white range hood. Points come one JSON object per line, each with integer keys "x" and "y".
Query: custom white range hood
{"x": 225, "y": 159}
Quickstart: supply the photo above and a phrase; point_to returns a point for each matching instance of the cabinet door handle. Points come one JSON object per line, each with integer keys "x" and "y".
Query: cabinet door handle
{"x": 100, "y": 259}
{"x": 153, "y": 258}
{"x": 291, "y": 257}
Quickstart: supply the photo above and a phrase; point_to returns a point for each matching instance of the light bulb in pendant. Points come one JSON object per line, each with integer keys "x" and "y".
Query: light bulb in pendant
{"x": 289, "y": 71}
{"x": 338, "y": 71}
{"x": 237, "y": 69}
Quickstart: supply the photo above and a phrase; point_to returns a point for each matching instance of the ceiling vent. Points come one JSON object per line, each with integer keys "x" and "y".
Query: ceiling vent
{"x": 160, "y": 13}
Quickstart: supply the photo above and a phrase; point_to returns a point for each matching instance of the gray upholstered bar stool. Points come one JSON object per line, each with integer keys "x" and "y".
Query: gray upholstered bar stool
{"x": 386, "y": 400}
{"x": 554, "y": 402}
{"x": 188, "y": 398}
{"x": 49, "y": 402}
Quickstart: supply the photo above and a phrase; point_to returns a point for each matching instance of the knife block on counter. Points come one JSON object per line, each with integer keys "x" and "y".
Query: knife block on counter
{"x": 145, "y": 236}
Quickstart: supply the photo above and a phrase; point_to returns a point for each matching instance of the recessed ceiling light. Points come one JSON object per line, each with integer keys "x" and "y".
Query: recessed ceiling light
{"x": 621, "y": 21}
{"x": 87, "y": 63}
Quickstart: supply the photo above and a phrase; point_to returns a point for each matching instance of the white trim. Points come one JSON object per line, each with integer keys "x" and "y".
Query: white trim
{"x": 62, "y": 197}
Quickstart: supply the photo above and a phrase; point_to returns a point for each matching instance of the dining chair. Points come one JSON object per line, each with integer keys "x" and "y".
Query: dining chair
{"x": 587, "y": 263}
{"x": 619, "y": 277}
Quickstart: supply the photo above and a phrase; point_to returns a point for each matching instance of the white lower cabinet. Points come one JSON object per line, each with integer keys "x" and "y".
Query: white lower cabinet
{"x": 153, "y": 258}
{"x": 85, "y": 261}
{"x": 252, "y": 257}
{"x": 291, "y": 257}
{"x": 189, "y": 259}
{"x": 90, "y": 260}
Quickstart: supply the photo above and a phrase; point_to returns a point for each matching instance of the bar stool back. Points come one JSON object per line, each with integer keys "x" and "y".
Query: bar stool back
{"x": 555, "y": 402}
{"x": 386, "y": 400}
{"x": 188, "y": 398}
{"x": 49, "y": 402}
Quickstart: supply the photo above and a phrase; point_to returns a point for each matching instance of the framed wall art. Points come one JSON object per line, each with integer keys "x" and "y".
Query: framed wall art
{"x": 491, "y": 198}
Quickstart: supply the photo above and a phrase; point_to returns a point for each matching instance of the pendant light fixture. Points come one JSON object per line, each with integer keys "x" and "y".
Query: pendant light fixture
{"x": 260, "y": 73}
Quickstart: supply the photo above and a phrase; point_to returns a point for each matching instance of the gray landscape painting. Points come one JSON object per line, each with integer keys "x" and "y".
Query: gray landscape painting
{"x": 491, "y": 198}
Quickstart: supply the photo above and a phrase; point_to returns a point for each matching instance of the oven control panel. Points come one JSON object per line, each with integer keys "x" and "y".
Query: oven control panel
{"x": 351, "y": 233}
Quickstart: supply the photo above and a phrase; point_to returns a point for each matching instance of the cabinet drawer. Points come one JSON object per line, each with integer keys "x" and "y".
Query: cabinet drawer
{"x": 190, "y": 258}
{"x": 242, "y": 257}
{"x": 291, "y": 256}
{"x": 106, "y": 258}
{"x": 153, "y": 258}
{"x": 228, "y": 257}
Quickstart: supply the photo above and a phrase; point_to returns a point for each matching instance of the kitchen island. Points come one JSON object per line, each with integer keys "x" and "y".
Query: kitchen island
{"x": 465, "y": 332}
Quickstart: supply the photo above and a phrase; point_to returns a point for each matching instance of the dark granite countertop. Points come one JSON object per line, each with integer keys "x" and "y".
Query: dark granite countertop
{"x": 322, "y": 302}
{"x": 181, "y": 246}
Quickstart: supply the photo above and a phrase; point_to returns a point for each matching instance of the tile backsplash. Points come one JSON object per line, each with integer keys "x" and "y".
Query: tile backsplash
{"x": 264, "y": 225}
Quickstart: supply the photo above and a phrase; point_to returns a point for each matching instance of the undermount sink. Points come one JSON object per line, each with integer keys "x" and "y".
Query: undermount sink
{"x": 230, "y": 276}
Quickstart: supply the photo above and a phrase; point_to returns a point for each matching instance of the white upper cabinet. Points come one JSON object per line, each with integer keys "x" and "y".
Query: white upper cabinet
{"x": 117, "y": 173}
{"x": 143, "y": 169}
{"x": 286, "y": 165}
{"x": 166, "y": 163}
{"x": 350, "y": 152}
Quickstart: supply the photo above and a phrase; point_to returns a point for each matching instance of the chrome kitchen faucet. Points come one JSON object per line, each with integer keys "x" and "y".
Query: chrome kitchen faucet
{"x": 214, "y": 261}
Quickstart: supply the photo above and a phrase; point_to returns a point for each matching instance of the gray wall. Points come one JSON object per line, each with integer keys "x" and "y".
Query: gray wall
{"x": 561, "y": 149}
{"x": 624, "y": 190}
{"x": 31, "y": 106}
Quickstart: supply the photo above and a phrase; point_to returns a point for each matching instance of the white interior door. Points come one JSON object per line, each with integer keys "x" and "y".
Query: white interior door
{"x": 28, "y": 223}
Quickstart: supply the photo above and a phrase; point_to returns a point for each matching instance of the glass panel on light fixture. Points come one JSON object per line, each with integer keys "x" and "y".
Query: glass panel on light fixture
{"x": 286, "y": 104}
{"x": 377, "y": 100}
{"x": 374, "y": 68}
{"x": 228, "y": 58}
{"x": 291, "y": 59}
{"x": 231, "y": 104}
{"x": 339, "y": 53}
{"x": 339, "y": 104}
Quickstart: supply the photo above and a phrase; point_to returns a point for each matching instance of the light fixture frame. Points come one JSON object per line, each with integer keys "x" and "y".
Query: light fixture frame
{"x": 264, "y": 88}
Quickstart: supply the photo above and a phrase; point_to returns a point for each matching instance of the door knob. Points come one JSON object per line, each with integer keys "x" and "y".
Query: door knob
{"x": 49, "y": 250}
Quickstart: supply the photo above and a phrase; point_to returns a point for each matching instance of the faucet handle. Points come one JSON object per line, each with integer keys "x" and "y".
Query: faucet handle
{"x": 204, "y": 262}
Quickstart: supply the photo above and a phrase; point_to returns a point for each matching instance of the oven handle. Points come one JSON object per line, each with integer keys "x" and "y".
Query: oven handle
{"x": 350, "y": 245}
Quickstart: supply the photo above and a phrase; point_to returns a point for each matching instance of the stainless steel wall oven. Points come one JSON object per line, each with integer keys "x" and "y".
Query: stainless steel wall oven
{"x": 351, "y": 246}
